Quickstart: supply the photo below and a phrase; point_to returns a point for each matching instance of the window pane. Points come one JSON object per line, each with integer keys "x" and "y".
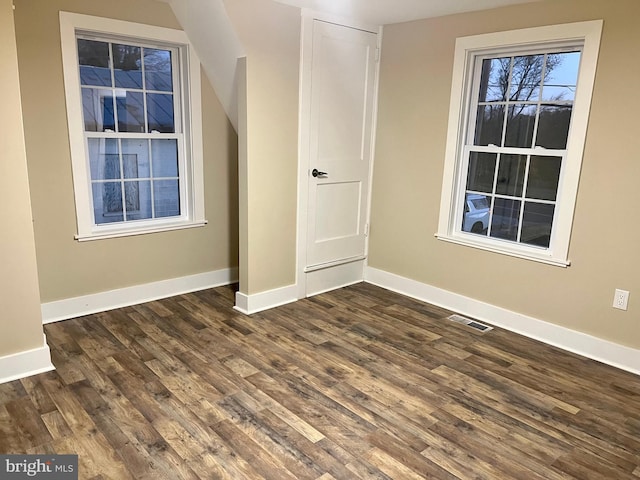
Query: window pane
{"x": 561, "y": 77}
{"x": 93, "y": 58}
{"x": 494, "y": 81}
{"x": 135, "y": 158}
{"x": 166, "y": 197}
{"x": 489, "y": 124}
{"x": 107, "y": 202}
{"x": 160, "y": 112}
{"x": 138, "y": 199}
{"x": 544, "y": 174}
{"x": 553, "y": 126}
{"x": 130, "y": 111}
{"x": 104, "y": 161}
{"x": 157, "y": 70}
{"x": 520, "y": 123}
{"x": 526, "y": 77}
{"x": 476, "y": 214}
{"x": 511, "y": 175}
{"x": 504, "y": 222}
{"x": 165, "y": 158}
{"x": 482, "y": 169}
{"x": 127, "y": 66}
{"x": 97, "y": 109}
{"x": 536, "y": 224}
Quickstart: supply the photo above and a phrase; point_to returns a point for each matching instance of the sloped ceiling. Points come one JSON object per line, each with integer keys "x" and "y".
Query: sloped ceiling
{"x": 214, "y": 38}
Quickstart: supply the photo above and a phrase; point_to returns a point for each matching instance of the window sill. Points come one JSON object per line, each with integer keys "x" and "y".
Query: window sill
{"x": 506, "y": 250}
{"x": 113, "y": 233}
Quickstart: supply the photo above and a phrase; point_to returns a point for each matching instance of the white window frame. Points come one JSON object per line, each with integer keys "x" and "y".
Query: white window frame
{"x": 191, "y": 155}
{"x": 454, "y": 178}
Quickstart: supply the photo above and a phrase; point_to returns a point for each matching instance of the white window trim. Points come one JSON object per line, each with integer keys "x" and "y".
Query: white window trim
{"x": 466, "y": 48}
{"x": 193, "y": 211}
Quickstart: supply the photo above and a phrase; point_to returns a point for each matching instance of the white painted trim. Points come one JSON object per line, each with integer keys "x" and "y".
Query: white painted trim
{"x": 124, "y": 297}
{"x": 304, "y": 134}
{"x": 604, "y": 351}
{"x": 249, "y": 304}
{"x": 588, "y": 33}
{"x": 190, "y": 114}
{"x": 334, "y": 277}
{"x": 169, "y": 226}
{"x": 339, "y": 20}
{"x": 304, "y": 143}
{"x": 24, "y": 364}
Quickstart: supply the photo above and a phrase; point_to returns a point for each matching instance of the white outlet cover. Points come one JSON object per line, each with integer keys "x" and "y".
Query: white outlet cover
{"x": 621, "y": 299}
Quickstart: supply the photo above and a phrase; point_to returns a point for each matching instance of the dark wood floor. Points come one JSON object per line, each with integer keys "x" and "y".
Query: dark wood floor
{"x": 359, "y": 383}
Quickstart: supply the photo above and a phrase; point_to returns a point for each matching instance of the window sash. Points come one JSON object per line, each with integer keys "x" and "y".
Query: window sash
{"x": 187, "y": 115}
{"x": 512, "y": 43}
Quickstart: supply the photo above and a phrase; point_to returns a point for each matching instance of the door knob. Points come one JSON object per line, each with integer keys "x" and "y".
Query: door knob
{"x": 317, "y": 173}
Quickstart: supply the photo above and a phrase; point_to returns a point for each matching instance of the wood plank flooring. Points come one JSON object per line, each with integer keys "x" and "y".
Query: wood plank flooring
{"x": 359, "y": 383}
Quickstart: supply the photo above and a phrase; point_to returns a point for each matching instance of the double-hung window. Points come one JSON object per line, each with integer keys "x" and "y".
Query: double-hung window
{"x": 133, "y": 100}
{"x": 519, "y": 109}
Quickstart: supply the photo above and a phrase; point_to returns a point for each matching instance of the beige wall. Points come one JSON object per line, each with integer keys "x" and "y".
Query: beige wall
{"x": 20, "y": 320}
{"x": 416, "y": 68}
{"x": 270, "y": 34}
{"x": 66, "y": 267}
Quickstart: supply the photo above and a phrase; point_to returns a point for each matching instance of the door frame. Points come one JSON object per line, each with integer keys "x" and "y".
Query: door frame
{"x": 341, "y": 274}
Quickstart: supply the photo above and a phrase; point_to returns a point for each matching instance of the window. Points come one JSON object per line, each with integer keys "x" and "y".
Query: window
{"x": 519, "y": 108}
{"x": 133, "y": 107}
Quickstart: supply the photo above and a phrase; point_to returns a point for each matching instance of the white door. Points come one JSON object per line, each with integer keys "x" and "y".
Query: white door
{"x": 340, "y": 143}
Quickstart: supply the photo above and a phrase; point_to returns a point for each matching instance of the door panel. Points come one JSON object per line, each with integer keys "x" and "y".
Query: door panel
{"x": 342, "y": 88}
{"x": 338, "y": 210}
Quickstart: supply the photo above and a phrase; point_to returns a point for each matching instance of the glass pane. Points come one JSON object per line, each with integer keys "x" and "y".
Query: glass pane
{"x": 166, "y": 198}
{"x": 482, "y": 169}
{"x": 160, "y": 112}
{"x": 127, "y": 65}
{"x": 97, "y": 109}
{"x": 489, "y": 124}
{"x": 526, "y": 78}
{"x": 130, "y": 111}
{"x": 544, "y": 174}
{"x": 562, "y": 77}
{"x": 476, "y": 214}
{"x": 135, "y": 158}
{"x": 104, "y": 161}
{"x": 107, "y": 202}
{"x": 511, "y": 175}
{"x": 494, "y": 80}
{"x": 157, "y": 69}
{"x": 93, "y": 58}
{"x": 504, "y": 222}
{"x": 138, "y": 199}
{"x": 553, "y": 126}
{"x": 536, "y": 224}
{"x": 165, "y": 158}
{"x": 520, "y": 123}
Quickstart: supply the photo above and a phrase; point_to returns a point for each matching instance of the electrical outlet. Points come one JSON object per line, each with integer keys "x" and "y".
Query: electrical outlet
{"x": 620, "y": 299}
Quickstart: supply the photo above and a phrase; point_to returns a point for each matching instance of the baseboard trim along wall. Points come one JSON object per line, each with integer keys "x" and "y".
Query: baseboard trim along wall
{"x": 124, "y": 297}
{"x": 257, "y": 302}
{"x": 24, "y": 364}
{"x": 604, "y": 351}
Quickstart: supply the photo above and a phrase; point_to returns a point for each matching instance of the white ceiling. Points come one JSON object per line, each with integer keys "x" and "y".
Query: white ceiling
{"x": 382, "y": 12}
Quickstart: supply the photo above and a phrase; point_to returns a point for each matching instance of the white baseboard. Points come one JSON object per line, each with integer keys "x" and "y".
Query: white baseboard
{"x": 331, "y": 278}
{"x": 24, "y": 364}
{"x": 604, "y": 351}
{"x": 124, "y": 297}
{"x": 258, "y": 302}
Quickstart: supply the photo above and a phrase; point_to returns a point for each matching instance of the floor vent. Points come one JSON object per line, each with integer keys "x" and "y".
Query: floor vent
{"x": 471, "y": 323}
